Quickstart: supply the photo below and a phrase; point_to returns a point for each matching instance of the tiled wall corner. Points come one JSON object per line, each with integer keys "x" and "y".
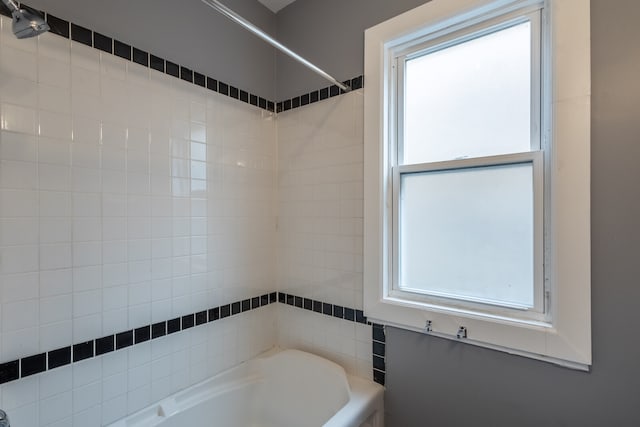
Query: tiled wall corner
{"x": 320, "y": 234}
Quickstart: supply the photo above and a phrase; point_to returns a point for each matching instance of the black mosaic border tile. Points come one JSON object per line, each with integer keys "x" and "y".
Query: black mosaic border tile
{"x": 38, "y": 363}
{"x": 379, "y": 343}
{"x": 318, "y": 95}
{"x": 104, "y": 43}
{"x": 86, "y": 36}
{"x": 378, "y": 335}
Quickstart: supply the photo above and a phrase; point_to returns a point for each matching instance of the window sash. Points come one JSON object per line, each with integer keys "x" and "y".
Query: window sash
{"x": 538, "y": 311}
{"x": 413, "y": 49}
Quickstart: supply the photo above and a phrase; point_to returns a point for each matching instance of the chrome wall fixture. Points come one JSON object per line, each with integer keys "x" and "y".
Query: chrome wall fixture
{"x": 25, "y": 23}
{"x": 233, "y": 16}
{"x": 4, "y": 419}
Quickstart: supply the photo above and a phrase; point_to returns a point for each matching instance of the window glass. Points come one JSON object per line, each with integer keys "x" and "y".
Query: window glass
{"x": 468, "y": 100}
{"x": 469, "y": 234}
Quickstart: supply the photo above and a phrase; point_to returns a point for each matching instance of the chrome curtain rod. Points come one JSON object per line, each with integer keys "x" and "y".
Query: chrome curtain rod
{"x": 224, "y": 10}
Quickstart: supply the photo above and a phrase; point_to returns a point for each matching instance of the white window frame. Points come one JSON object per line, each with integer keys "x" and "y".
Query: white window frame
{"x": 562, "y": 334}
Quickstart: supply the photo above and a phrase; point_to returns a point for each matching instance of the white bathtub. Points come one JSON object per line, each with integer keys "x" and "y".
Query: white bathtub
{"x": 287, "y": 388}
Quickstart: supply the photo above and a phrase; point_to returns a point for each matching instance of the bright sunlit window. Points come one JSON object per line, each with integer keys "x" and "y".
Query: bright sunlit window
{"x": 477, "y": 176}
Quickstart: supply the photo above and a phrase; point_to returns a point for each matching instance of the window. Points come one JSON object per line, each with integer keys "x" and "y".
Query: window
{"x": 467, "y": 175}
{"x": 463, "y": 139}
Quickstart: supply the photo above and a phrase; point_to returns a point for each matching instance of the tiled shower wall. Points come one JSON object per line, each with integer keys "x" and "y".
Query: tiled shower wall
{"x": 127, "y": 197}
{"x": 320, "y": 229}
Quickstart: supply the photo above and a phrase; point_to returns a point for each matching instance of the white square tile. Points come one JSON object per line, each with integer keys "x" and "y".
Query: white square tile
{"x": 113, "y": 67}
{"x": 54, "y": 203}
{"x": 84, "y": 155}
{"x": 55, "y": 230}
{"x": 18, "y": 119}
{"x": 55, "y": 408}
{"x": 54, "y": 98}
{"x": 84, "y": 81}
{"x": 91, "y": 417}
{"x": 86, "y": 105}
{"x": 53, "y": 71}
{"x": 138, "y": 139}
{"x": 55, "y": 125}
{"x": 138, "y": 228}
{"x": 139, "y": 206}
{"x": 114, "y": 386}
{"x": 55, "y": 282}
{"x": 54, "y": 178}
{"x": 56, "y": 381}
{"x": 139, "y": 293}
{"x": 86, "y": 204}
{"x": 18, "y": 146}
{"x": 160, "y": 310}
{"x": 56, "y": 308}
{"x": 86, "y": 131}
{"x": 113, "y": 363}
{"x": 138, "y": 183}
{"x": 19, "y": 259}
{"x": 87, "y": 390}
{"x": 18, "y": 175}
{"x": 56, "y": 335}
{"x": 50, "y": 45}
{"x": 21, "y": 343}
{"x": 115, "y": 297}
{"x": 114, "y": 136}
{"x": 115, "y": 321}
{"x": 18, "y": 287}
{"x": 87, "y": 253}
{"x": 20, "y": 314}
{"x": 115, "y": 274}
{"x": 114, "y": 409}
{"x": 114, "y": 182}
{"x": 114, "y": 158}
{"x": 87, "y": 303}
{"x": 18, "y": 203}
{"x": 139, "y": 376}
{"x": 18, "y": 63}
{"x": 138, "y": 399}
{"x": 87, "y": 278}
{"x": 21, "y": 92}
{"x": 114, "y": 251}
{"x": 139, "y": 315}
{"x": 87, "y": 328}
{"x": 86, "y": 180}
{"x": 18, "y": 231}
{"x": 86, "y": 229}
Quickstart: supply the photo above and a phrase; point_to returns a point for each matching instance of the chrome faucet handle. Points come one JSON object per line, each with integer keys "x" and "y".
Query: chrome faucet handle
{"x": 4, "y": 419}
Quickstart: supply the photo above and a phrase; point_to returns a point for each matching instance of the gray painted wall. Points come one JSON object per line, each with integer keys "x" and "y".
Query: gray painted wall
{"x": 187, "y": 32}
{"x": 436, "y": 382}
{"x": 329, "y": 33}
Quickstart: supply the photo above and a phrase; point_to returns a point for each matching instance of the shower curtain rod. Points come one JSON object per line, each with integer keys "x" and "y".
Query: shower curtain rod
{"x": 224, "y": 10}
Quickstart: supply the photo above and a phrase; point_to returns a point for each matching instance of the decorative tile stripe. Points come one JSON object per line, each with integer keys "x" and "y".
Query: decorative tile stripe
{"x": 47, "y": 361}
{"x": 378, "y": 336}
{"x": 115, "y": 47}
{"x": 319, "y": 95}
{"x": 379, "y": 353}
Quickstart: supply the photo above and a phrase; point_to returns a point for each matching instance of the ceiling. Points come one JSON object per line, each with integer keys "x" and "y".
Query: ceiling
{"x": 276, "y": 5}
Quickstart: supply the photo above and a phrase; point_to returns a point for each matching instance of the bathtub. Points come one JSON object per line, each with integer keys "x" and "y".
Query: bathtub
{"x": 288, "y": 388}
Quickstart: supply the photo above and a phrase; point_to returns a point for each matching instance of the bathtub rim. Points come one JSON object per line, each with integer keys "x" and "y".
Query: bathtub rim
{"x": 365, "y": 396}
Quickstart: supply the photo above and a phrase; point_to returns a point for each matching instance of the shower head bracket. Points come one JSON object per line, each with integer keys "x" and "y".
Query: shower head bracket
{"x": 25, "y": 23}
